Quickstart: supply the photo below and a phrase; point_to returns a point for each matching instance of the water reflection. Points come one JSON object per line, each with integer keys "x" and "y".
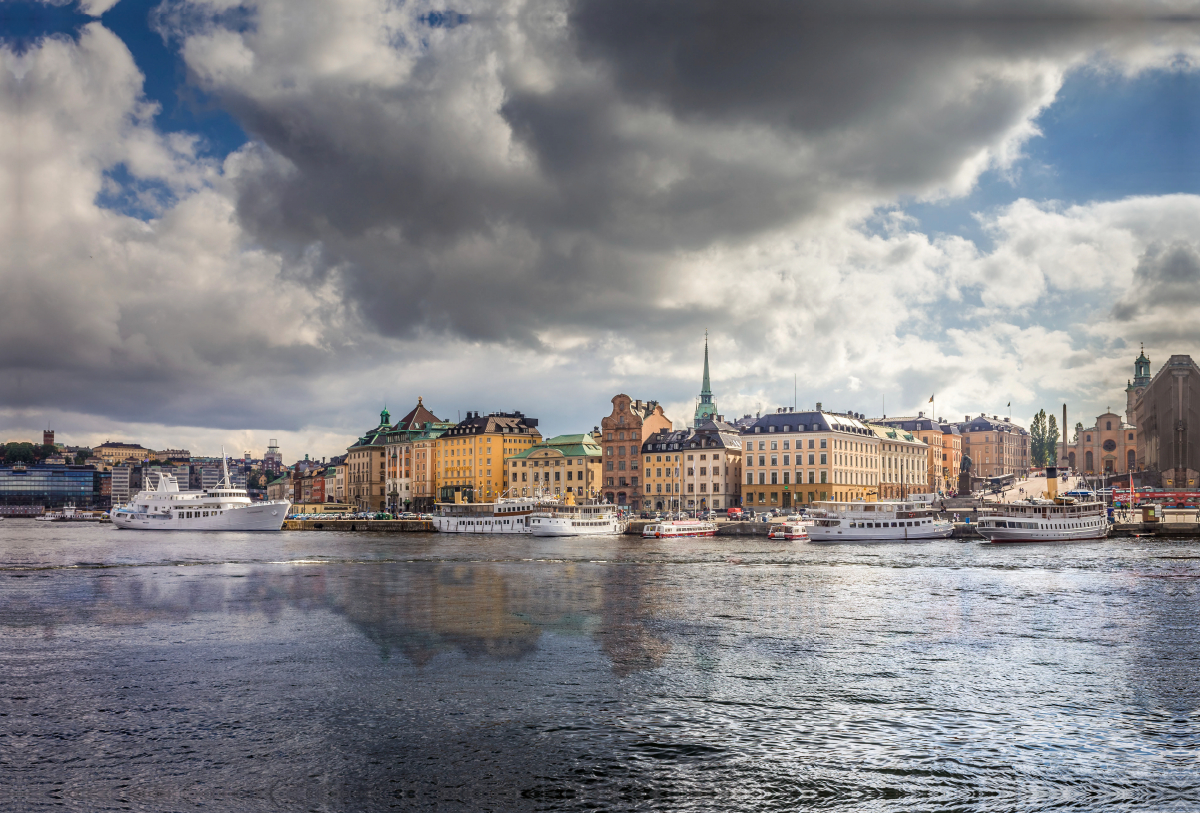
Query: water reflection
{"x": 415, "y": 610}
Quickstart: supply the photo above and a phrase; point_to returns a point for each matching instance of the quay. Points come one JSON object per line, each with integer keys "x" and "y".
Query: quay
{"x": 962, "y": 530}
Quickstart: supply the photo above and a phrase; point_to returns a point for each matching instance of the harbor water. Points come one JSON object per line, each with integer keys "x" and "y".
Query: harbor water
{"x": 338, "y": 671}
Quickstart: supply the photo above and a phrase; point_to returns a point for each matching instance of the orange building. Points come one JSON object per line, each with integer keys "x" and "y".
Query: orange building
{"x": 622, "y": 434}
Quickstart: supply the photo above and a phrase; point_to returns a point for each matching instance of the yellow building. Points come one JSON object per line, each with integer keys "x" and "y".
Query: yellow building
{"x": 114, "y": 454}
{"x": 469, "y": 459}
{"x": 693, "y": 469}
{"x": 562, "y": 464}
{"x": 797, "y": 458}
{"x": 903, "y": 462}
{"x": 366, "y": 468}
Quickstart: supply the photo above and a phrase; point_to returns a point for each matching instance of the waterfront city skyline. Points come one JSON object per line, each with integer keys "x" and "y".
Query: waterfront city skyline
{"x": 232, "y": 228}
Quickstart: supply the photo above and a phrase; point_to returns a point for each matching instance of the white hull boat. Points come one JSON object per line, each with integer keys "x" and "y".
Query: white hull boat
{"x": 877, "y": 521}
{"x": 569, "y": 519}
{"x": 221, "y": 508}
{"x": 1054, "y": 519}
{"x": 680, "y": 528}
{"x": 504, "y": 516}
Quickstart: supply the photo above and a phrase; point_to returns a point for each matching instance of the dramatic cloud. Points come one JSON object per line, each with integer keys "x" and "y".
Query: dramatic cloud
{"x": 533, "y": 204}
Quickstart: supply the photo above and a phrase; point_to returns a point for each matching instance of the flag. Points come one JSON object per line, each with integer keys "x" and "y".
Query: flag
{"x": 931, "y": 399}
{"x": 1010, "y": 403}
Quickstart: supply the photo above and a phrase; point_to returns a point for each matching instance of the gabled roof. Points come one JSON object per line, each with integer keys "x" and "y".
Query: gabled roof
{"x": 417, "y": 418}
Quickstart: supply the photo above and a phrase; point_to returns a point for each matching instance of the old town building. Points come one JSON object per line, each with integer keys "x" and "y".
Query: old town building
{"x": 930, "y": 432}
{"x": 408, "y": 445}
{"x": 692, "y": 469}
{"x": 903, "y": 462}
{"x": 622, "y": 434}
{"x": 1165, "y": 412}
{"x": 997, "y": 446}
{"x": 366, "y": 468}
{"x": 469, "y": 457}
{"x": 797, "y": 458}
{"x": 560, "y": 465}
{"x": 1107, "y": 447}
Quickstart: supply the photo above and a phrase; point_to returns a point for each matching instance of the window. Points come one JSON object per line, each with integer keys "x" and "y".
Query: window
{"x": 774, "y": 460}
{"x": 647, "y": 458}
{"x": 812, "y": 477}
{"x": 823, "y": 478}
{"x": 774, "y": 445}
{"x": 762, "y": 460}
{"x": 762, "y": 444}
{"x": 823, "y": 442}
{"x": 787, "y": 459}
{"x": 1108, "y": 424}
{"x": 785, "y": 478}
{"x": 811, "y": 459}
{"x": 762, "y": 478}
{"x": 749, "y": 478}
{"x": 824, "y": 459}
{"x": 774, "y": 478}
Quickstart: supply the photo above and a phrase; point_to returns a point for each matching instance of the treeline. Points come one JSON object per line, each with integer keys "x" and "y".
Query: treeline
{"x": 1043, "y": 440}
{"x": 28, "y": 453}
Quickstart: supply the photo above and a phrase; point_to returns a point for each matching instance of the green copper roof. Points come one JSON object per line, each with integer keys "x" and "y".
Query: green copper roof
{"x": 569, "y": 445}
{"x": 706, "y": 410}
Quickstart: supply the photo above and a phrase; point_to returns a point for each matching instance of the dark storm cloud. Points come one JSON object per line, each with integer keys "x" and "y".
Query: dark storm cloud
{"x": 1163, "y": 299}
{"x": 666, "y": 127}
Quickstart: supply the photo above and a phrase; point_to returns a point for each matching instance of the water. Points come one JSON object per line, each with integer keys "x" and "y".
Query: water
{"x": 355, "y": 672}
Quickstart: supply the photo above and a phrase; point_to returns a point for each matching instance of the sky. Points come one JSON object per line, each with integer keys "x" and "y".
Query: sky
{"x": 225, "y": 222}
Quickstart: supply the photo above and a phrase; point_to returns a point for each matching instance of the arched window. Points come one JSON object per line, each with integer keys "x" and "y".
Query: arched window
{"x": 1108, "y": 424}
{"x": 1130, "y": 459}
{"x": 1088, "y": 465}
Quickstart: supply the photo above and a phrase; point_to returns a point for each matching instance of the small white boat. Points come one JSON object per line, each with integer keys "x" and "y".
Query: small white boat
{"x": 569, "y": 519}
{"x": 789, "y": 531}
{"x": 892, "y": 521}
{"x": 679, "y": 528}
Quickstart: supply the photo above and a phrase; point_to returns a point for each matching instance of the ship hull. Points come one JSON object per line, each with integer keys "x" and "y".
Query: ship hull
{"x": 268, "y": 516}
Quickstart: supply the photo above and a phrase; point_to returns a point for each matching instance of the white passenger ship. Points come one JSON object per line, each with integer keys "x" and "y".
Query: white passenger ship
{"x": 569, "y": 519}
{"x": 223, "y": 508}
{"x": 895, "y": 521}
{"x": 1054, "y": 519}
{"x": 507, "y": 515}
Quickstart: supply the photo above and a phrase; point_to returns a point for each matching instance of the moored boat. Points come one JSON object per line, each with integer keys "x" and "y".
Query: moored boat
{"x": 788, "y": 530}
{"x": 1053, "y": 519}
{"x": 890, "y": 521}
{"x": 569, "y": 519}
{"x": 507, "y": 515}
{"x": 679, "y": 528}
{"x": 221, "y": 508}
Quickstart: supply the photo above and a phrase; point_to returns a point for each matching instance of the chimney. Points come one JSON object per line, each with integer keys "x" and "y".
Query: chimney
{"x": 48, "y": 437}
{"x": 818, "y": 406}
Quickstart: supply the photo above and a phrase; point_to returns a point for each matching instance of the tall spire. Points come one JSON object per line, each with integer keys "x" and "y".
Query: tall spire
{"x": 706, "y": 410}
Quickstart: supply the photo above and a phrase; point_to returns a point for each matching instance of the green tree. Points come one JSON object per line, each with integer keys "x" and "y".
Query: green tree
{"x": 1037, "y": 439}
{"x": 1051, "y": 447}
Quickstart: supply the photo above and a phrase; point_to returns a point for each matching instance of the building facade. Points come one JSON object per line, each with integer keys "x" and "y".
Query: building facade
{"x": 25, "y": 487}
{"x": 903, "y": 462}
{"x": 366, "y": 468}
{"x": 622, "y": 433}
{"x": 930, "y": 432}
{"x": 114, "y": 453}
{"x": 408, "y": 442}
{"x": 997, "y": 446}
{"x": 692, "y": 469}
{"x": 1107, "y": 447}
{"x": 1165, "y": 412}
{"x": 561, "y": 465}
{"x": 706, "y": 410}
{"x": 797, "y": 458}
{"x": 470, "y": 456}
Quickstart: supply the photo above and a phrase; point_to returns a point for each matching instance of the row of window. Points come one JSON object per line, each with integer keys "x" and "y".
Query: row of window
{"x": 673, "y": 488}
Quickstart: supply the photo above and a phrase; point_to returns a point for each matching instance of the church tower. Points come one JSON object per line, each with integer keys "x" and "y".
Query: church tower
{"x": 1141, "y": 380}
{"x": 706, "y": 410}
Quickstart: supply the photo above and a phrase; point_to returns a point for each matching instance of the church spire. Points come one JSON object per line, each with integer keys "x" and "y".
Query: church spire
{"x": 706, "y": 410}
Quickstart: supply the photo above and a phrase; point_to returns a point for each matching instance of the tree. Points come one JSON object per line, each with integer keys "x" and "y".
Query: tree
{"x": 1037, "y": 439}
{"x": 1052, "y": 443}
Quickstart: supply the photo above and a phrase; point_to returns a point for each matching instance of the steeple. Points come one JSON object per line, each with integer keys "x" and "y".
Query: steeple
{"x": 706, "y": 410}
{"x": 1141, "y": 369}
{"x": 385, "y": 417}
